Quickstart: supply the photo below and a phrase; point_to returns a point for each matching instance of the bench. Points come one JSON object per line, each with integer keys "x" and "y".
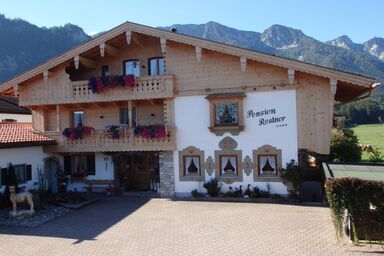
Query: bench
{"x": 92, "y": 183}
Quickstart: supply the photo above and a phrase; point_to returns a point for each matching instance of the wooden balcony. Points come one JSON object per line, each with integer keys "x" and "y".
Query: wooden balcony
{"x": 73, "y": 92}
{"x": 100, "y": 141}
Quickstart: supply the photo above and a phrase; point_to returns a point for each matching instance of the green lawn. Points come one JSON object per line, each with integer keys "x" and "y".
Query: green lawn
{"x": 372, "y": 134}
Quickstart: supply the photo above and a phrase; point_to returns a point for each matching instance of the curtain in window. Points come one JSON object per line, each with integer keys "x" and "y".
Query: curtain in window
{"x": 268, "y": 163}
{"x": 192, "y": 165}
{"x": 228, "y": 165}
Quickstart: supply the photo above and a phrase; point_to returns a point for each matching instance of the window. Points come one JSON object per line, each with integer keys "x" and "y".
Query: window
{"x": 78, "y": 118}
{"x": 79, "y": 165}
{"x": 228, "y": 161}
{"x": 105, "y": 71}
{"x": 191, "y": 167}
{"x": 267, "y": 161}
{"x": 228, "y": 165}
{"x": 267, "y": 165}
{"x": 132, "y": 67}
{"x": 124, "y": 116}
{"x": 23, "y": 174}
{"x": 226, "y": 113}
{"x": 156, "y": 66}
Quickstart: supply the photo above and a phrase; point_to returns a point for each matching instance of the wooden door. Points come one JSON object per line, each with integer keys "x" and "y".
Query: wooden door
{"x": 138, "y": 173}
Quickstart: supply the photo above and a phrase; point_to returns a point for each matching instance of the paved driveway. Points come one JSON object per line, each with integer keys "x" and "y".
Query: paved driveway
{"x": 126, "y": 226}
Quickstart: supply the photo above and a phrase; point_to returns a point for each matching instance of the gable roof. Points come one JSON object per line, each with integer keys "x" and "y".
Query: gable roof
{"x": 14, "y": 135}
{"x": 10, "y": 105}
{"x": 350, "y": 78}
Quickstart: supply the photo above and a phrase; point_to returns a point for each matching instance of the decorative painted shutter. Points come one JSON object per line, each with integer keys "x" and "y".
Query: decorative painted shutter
{"x": 67, "y": 165}
{"x": 91, "y": 165}
{"x": 4, "y": 176}
{"x": 28, "y": 170}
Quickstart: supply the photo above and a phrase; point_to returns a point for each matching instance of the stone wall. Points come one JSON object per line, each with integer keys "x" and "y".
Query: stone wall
{"x": 167, "y": 176}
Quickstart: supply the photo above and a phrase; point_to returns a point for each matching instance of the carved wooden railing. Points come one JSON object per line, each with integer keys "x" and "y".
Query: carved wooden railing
{"x": 99, "y": 141}
{"x": 67, "y": 92}
{"x": 149, "y": 87}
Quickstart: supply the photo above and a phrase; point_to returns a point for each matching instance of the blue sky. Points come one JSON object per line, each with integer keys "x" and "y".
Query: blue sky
{"x": 321, "y": 19}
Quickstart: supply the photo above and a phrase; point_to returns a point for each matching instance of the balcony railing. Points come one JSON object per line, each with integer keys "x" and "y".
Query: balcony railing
{"x": 100, "y": 141}
{"x": 148, "y": 87}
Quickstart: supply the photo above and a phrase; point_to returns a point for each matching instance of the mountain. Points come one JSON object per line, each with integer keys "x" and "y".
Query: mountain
{"x": 341, "y": 53}
{"x": 373, "y": 47}
{"x": 346, "y": 43}
{"x": 216, "y": 32}
{"x": 24, "y": 45}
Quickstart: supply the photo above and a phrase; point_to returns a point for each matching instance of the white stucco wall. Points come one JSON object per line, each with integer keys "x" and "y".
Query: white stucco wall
{"x": 26, "y": 155}
{"x": 18, "y": 117}
{"x": 104, "y": 171}
{"x": 193, "y": 119}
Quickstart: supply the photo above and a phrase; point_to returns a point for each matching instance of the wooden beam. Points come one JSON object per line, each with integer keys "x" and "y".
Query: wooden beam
{"x": 128, "y": 36}
{"x": 76, "y": 59}
{"x": 58, "y": 126}
{"x": 46, "y": 74}
{"x": 291, "y": 76}
{"x": 198, "y": 53}
{"x": 333, "y": 84}
{"x": 130, "y": 121}
{"x": 102, "y": 49}
{"x": 16, "y": 90}
{"x": 243, "y": 63}
{"x": 163, "y": 45}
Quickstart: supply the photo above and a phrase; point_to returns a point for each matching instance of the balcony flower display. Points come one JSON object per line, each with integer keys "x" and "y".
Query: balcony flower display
{"x": 77, "y": 133}
{"x": 115, "y": 129}
{"x": 99, "y": 84}
{"x": 150, "y": 131}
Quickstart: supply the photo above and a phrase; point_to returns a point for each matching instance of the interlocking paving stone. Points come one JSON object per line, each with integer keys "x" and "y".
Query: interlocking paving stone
{"x": 139, "y": 226}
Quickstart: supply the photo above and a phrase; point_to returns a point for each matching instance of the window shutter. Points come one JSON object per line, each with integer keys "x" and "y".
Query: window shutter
{"x": 91, "y": 165}
{"x": 67, "y": 165}
{"x": 28, "y": 170}
{"x": 4, "y": 176}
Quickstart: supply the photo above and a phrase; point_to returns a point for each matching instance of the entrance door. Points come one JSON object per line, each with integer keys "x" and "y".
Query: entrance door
{"x": 138, "y": 171}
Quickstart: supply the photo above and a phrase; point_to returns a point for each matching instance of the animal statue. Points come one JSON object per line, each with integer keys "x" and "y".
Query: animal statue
{"x": 19, "y": 198}
{"x": 247, "y": 192}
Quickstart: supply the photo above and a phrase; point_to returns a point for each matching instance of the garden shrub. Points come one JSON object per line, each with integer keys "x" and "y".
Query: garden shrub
{"x": 376, "y": 156}
{"x": 357, "y": 198}
{"x": 213, "y": 188}
{"x": 196, "y": 194}
{"x": 344, "y": 146}
{"x": 293, "y": 177}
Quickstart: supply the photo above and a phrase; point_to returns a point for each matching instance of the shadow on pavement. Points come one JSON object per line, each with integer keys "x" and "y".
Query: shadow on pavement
{"x": 85, "y": 223}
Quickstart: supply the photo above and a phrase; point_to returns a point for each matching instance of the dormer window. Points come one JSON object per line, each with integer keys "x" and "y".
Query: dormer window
{"x": 226, "y": 112}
